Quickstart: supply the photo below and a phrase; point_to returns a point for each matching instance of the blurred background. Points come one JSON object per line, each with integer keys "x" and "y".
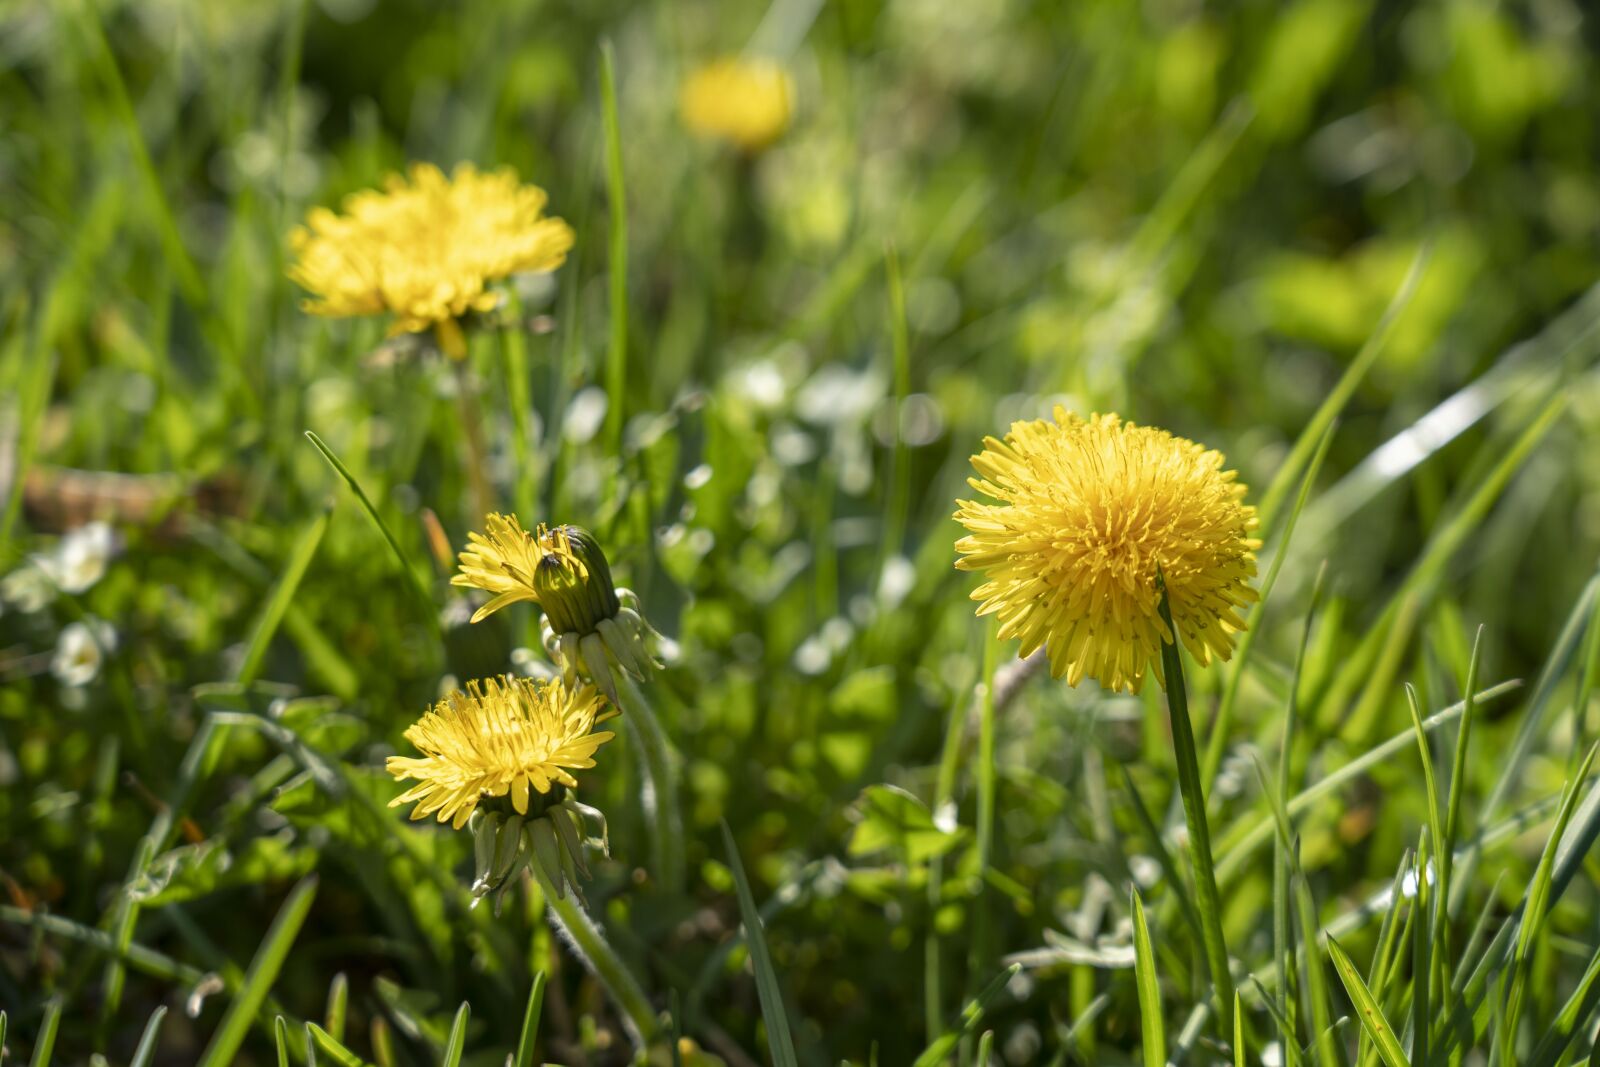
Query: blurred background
{"x": 1192, "y": 214}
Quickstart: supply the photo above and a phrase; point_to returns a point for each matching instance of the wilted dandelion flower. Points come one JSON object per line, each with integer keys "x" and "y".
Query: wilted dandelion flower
{"x": 745, "y": 101}
{"x": 1090, "y": 513}
{"x": 426, "y": 248}
{"x": 498, "y": 738}
{"x": 588, "y": 621}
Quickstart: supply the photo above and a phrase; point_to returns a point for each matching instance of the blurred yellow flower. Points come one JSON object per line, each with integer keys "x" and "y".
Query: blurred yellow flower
{"x": 745, "y": 101}
{"x": 1090, "y": 512}
{"x": 500, "y": 737}
{"x": 514, "y": 565}
{"x": 426, "y": 248}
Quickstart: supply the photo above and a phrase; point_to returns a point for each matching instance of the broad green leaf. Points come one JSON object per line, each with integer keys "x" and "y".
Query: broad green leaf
{"x": 890, "y": 818}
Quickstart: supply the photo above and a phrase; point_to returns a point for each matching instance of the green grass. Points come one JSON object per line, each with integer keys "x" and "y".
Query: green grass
{"x": 1311, "y": 238}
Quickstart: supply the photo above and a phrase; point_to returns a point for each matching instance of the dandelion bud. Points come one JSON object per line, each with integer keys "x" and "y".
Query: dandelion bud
{"x": 589, "y": 624}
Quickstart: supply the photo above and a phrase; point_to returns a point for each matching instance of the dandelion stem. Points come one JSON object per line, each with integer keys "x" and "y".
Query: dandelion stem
{"x": 584, "y": 936}
{"x": 661, "y": 780}
{"x": 1194, "y": 810}
{"x": 472, "y": 430}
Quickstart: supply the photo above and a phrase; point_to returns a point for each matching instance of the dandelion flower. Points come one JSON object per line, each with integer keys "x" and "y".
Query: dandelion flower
{"x": 426, "y": 248}
{"x": 1091, "y": 512}
{"x": 747, "y": 102}
{"x": 499, "y": 738}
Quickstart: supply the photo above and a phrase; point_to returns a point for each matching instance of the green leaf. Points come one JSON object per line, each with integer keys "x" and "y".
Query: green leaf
{"x": 890, "y": 818}
{"x": 194, "y": 871}
{"x": 1367, "y": 1011}
{"x": 264, "y": 967}
{"x": 530, "y": 1022}
{"x": 1151, "y": 1028}
{"x": 772, "y": 1008}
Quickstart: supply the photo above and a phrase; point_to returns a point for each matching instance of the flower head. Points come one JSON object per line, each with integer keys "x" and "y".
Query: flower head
{"x": 1092, "y": 513}
{"x": 499, "y": 738}
{"x": 426, "y": 248}
{"x": 515, "y": 565}
{"x": 745, "y": 101}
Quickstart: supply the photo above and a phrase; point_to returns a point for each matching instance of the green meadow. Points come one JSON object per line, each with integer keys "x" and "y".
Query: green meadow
{"x": 1352, "y": 246}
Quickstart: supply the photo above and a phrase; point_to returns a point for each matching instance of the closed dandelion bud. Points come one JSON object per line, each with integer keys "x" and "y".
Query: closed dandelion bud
{"x": 589, "y": 623}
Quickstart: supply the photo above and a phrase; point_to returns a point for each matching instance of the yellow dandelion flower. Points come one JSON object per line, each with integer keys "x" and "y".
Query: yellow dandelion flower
{"x": 1091, "y": 512}
{"x": 515, "y": 565}
{"x": 745, "y": 101}
{"x": 500, "y": 737}
{"x": 426, "y": 248}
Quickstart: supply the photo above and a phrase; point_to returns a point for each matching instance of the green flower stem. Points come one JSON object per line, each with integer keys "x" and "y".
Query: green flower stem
{"x": 1194, "y": 810}
{"x": 661, "y": 780}
{"x": 589, "y": 944}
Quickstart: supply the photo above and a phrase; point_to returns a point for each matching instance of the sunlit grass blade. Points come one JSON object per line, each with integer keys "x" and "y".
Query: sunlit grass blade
{"x": 263, "y": 971}
{"x": 1368, "y": 669}
{"x": 1458, "y": 782}
{"x": 280, "y": 1036}
{"x": 1579, "y": 1007}
{"x": 1152, "y": 1030}
{"x": 773, "y": 1011}
{"x": 1368, "y": 1013}
{"x": 972, "y": 1017}
{"x": 1539, "y": 891}
{"x": 985, "y": 1048}
{"x": 1421, "y": 940}
{"x": 1238, "y": 1031}
{"x": 335, "y": 1050}
{"x": 44, "y": 1045}
{"x": 898, "y": 501}
{"x": 278, "y": 601}
{"x": 456, "y": 1044}
{"x": 1340, "y": 394}
{"x": 146, "y": 1050}
{"x": 1241, "y": 841}
{"x": 530, "y": 1022}
{"x": 1329, "y": 1052}
{"x": 338, "y": 1006}
{"x": 1222, "y": 724}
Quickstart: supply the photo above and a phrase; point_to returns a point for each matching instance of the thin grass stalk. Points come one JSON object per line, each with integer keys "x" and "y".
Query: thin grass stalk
{"x": 661, "y": 785}
{"x": 617, "y": 347}
{"x": 586, "y": 940}
{"x": 1194, "y": 809}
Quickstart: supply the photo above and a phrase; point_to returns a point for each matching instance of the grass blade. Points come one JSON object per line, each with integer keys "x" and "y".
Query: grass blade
{"x": 616, "y": 192}
{"x": 1341, "y": 393}
{"x": 147, "y": 1041}
{"x": 263, "y": 972}
{"x": 971, "y": 1018}
{"x": 282, "y": 595}
{"x": 320, "y": 1038}
{"x": 412, "y": 581}
{"x": 1367, "y": 1011}
{"x": 338, "y": 1006}
{"x": 45, "y": 1046}
{"x": 1151, "y": 1030}
{"x": 280, "y": 1034}
{"x": 457, "y": 1043}
{"x": 772, "y": 1008}
{"x": 530, "y": 1022}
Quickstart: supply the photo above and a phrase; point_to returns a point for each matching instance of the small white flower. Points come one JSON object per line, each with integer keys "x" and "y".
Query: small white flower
{"x": 81, "y": 558}
{"x": 28, "y": 588}
{"x": 80, "y": 650}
